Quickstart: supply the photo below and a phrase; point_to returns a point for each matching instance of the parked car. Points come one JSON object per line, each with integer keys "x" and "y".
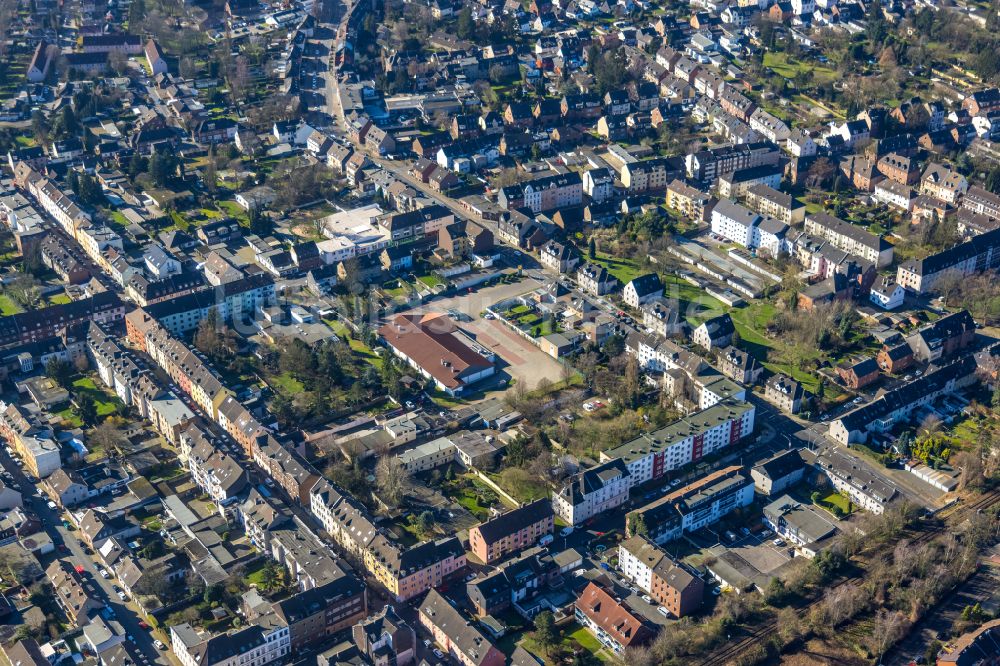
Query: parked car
{"x": 663, "y": 611}
{"x": 159, "y": 645}
{"x": 103, "y": 572}
{"x": 52, "y": 505}
{"x": 438, "y": 653}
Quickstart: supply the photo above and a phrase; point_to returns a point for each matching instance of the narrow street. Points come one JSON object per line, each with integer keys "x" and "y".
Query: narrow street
{"x": 71, "y": 549}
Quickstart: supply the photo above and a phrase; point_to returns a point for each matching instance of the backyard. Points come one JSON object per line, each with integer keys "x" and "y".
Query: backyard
{"x": 623, "y": 269}
{"x": 836, "y": 503}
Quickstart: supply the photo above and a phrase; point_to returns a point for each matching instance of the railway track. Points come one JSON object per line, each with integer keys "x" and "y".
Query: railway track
{"x": 729, "y": 653}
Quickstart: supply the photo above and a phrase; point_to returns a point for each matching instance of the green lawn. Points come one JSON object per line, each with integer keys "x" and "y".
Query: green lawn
{"x": 783, "y": 65}
{"x": 8, "y": 306}
{"x": 835, "y": 499}
{"x": 623, "y": 269}
{"x": 60, "y": 299}
{"x": 286, "y": 384}
{"x": 106, "y": 402}
{"x": 255, "y": 574}
{"x": 587, "y": 641}
{"x": 751, "y": 325}
{"x": 431, "y": 280}
{"x": 696, "y": 306}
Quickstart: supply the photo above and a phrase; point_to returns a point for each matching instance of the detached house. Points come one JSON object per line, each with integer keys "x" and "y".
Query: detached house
{"x": 596, "y": 280}
{"x": 642, "y": 290}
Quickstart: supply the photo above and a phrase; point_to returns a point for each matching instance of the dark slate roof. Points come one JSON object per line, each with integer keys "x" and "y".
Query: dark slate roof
{"x": 508, "y": 523}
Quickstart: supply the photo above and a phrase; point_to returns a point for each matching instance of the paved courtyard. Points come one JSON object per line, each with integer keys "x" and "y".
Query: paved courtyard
{"x": 521, "y": 359}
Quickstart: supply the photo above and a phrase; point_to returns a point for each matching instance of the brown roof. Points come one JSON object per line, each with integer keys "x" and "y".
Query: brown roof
{"x": 612, "y": 617}
{"x": 430, "y": 341}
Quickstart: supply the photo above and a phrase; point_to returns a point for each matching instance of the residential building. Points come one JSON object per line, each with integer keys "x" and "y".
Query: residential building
{"x": 785, "y": 393}
{"x": 714, "y": 333}
{"x": 943, "y": 337}
{"x": 75, "y": 594}
{"x": 558, "y": 257}
{"x": 770, "y": 202}
{"x": 667, "y": 582}
{"x": 544, "y": 194}
{"x": 942, "y": 183}
{"x": 596, "y": 279}
{"x": 779, "y": 472}
{"x": 802, "y": 525}
{"x": 887, "y": 294}
{"x": 659, "y": 316}
{"x": 693, "y": 506}
{"x": 407, "y": 572}
{"x": 850, "y": 238}
{"x": 592, "y": 492}
{"x": 898, "y": 404}
{"x": 511, "y": 531}
{"x": 735, "y": 184}
{"x": 868, "y": 490}
{"x": 616, "y": 626}
{"x": 653, "y": 454}
{"x": 457, "y": 636}
{"x": 979, "y": 253}
{"x": 858, "y": 373}
{"x": 255, "y": 645}
{"x": 642, "y": 290}
{"x": 691, "y": 203}
{"x": 739, "y": 365}
{"x": 895, "y": 359}
{"x": 708, "y": 165}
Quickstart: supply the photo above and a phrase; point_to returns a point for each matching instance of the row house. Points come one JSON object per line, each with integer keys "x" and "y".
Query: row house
{"x": 53, "y": 200}
{"x": 896, "y": 405}
{"x": 37, "y": 325}
{"x": 739, "y": 365}
{"x": 895, "y": 195}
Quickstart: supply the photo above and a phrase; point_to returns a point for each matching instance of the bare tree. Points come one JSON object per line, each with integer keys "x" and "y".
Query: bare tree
{"x": 393, "y": 481}
{"x": 888, "y": 627}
